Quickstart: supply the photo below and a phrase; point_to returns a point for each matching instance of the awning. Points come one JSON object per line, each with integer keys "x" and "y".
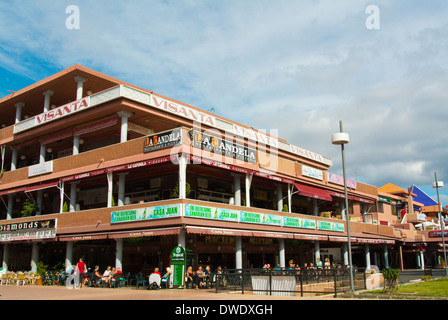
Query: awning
{"x": 312, "y": 192}
{"x": 13, "y": 190}
{"x": 218, "y": 231}
{"x": 144, "y": 233}
{"x": 342, "y": 195}
{"x": 267, "y": 234}
{"x": 41, "y": 186}
{"x": 81, "y": 237}
{"x": 302, "y": 236}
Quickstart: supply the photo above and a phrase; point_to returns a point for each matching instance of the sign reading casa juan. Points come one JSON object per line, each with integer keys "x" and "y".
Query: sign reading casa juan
{"x": 140, "y": 214}
{"x": 163, "y": 140}
{"x": 42, "y": 229}
{"x": 223, "y": 147}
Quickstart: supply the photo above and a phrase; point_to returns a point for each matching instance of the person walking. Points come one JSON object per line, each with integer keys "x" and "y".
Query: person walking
{"x": 80, "y": 270}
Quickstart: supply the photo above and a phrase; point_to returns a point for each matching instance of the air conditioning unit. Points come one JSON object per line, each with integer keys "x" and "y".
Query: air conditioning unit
{"x": 155, "y": 183}
{"x": 202, "y": 183}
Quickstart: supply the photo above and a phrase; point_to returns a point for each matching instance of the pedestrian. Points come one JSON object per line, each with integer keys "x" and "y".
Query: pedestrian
{"x": 80, "y": 271}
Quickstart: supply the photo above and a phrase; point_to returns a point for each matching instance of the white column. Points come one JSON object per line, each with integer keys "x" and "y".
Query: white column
{"x": 40, "y": 194}
{"x": 47, "y": 95}
{"x": 281, "y": 252}
{"x": 121, "y": 188}
{"x": 43, "y": 150}
{"x": 345, "y": 253}
{"x": 73, "y": 199}
{"x": 316, "y": 251}
{"x": 5, "y": 261}
{"x": 119, "y": 253}
{"x": 237, "y": 184}
{"x": 69, "y": 256}
{"x": 238, "y": 253}
{"x": 14, "y": 159}
{"x": 367, "y": 252}
{"x": 422, "y": 260}
{"x": 19, "y": 106}
{"x": 182, "y": 176}
{"x": 75, "y": 145}
{"x": 181, "y": 238}
{"x": 279, "y": 197}
{"x": 34, "y": 257}
{"x": 10, "y": 206}
{"x": 80, "y": 82}
{"x": 386, "y": 257}
{"x": 110, "y": 181}
{"x": 343, "y": 209}
{"x": 289, "y": 197}
{"x": 61, "y": 197}
{"x": 124, "y": 115}
{"x": 247, "y": 185}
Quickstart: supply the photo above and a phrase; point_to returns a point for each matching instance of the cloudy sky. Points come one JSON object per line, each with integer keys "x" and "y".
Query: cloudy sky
{"x": 296, "y": 66}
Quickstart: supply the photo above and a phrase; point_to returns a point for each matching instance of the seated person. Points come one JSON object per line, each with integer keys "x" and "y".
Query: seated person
{"x": 190, "y": 277}
{"x": 199, "y": 277}
{"x": 207, "y": 274}
{"x": 97, "y": 277}
{"x": 107, "y": 275}
{"x": 156, "y": 271}
{"x": 166, "y": 278}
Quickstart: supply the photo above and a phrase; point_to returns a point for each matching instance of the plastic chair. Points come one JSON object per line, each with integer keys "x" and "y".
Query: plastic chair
{"x": 21, "y": 278}
{"x": 4, "y": 279}
{"x": 140, "y": 280}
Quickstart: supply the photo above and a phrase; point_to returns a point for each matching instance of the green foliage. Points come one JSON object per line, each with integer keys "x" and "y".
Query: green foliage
{"x": 65, "y": 207}
{"x": 285, "y": 208}
{"x": 391, "y": 279}
{"x": 41, "y": 269}
{"x": 176, "y": 190}
{"x": 29, "y": 208}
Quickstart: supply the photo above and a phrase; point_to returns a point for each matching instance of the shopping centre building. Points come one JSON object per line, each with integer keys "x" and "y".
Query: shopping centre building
{"x": 96, "y": 168}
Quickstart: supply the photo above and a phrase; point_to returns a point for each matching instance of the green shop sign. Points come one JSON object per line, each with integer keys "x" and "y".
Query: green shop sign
{"x": 177, "y": 262}
{"x": 299, "y": 223}
{"x": 330, "y": 226}
{"x": 196, "y": 211}
{"x": 149, "y": 213}
{"x": 261, "y": 218}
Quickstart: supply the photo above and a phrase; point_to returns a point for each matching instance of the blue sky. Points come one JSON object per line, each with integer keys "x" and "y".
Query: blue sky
{"x": 295, "y": 66}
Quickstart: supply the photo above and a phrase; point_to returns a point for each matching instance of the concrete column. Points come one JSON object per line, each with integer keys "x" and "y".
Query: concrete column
{"x": 43, "y": 150}
{"x": 247, "y": 185}
{"x": 367, "y": 253}
{"x": 181, "y": 238}
{"x": 14, "y": 159}
{"x": 69, "y": 256}
{"x": 237, "y": 184}
{"x": 47, "y": 95}
{"x": 315, "y": 208}
{"x": 80, "y": 82}
{"x": 75, "y": 145}
{"x": 61, "y": 197}
{"x": 110, "y": 181}
{"x": 279, "y": 197}
{"x": 316, "y": 251}
{"x": 10, "y": 206}
{"x": 124, "y": 115}
{"x": 182, "y": 176}
{"x": 40, "y": 194}
{"x": 345, "y": 253}
{"x": 121, "y": 188}
{"x": 386, "y": 257}
{"x": 289, "y": 198}
{"x": 119, "y": 253}
{"x": 238, "y": 253}
{"x": 19, "y": 106}
{"x": 342, "y": 204}
{"x": 5, "y": 261}
{"x": 281, "y": 252}
{"x": 73, "y": 198}
{"x": 422, "y": 260}
{"x": 34, "y": 257}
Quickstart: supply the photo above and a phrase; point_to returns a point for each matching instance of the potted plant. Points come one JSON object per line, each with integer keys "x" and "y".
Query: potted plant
{"x": 29, "y": 208}
{"x": 187, "y": 190}
{"x": 40, "y": 272}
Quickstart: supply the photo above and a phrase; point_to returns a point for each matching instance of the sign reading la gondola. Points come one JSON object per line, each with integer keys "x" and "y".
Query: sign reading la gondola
{"x": 223, "y": 147}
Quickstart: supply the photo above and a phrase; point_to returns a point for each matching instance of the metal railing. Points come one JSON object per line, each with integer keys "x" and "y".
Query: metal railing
{"x": 289, "y": 282}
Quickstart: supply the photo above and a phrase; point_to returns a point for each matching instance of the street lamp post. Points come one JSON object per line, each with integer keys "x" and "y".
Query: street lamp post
{"x": 341, "y": 139}
{"x": 438, "y": 184}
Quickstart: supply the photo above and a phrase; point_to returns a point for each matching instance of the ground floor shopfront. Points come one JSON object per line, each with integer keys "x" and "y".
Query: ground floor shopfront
{"x": 134, "y": 254}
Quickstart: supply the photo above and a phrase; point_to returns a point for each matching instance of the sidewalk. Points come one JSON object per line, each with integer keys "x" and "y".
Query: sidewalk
{"x": 33, "y": 292}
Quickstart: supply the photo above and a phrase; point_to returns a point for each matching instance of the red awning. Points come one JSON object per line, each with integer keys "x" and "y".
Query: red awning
{"x": 218, "y": 231}
{"x": 41, "y": 186}
{"x": 313, "y": 192}
{"x": 144, "y": 233}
